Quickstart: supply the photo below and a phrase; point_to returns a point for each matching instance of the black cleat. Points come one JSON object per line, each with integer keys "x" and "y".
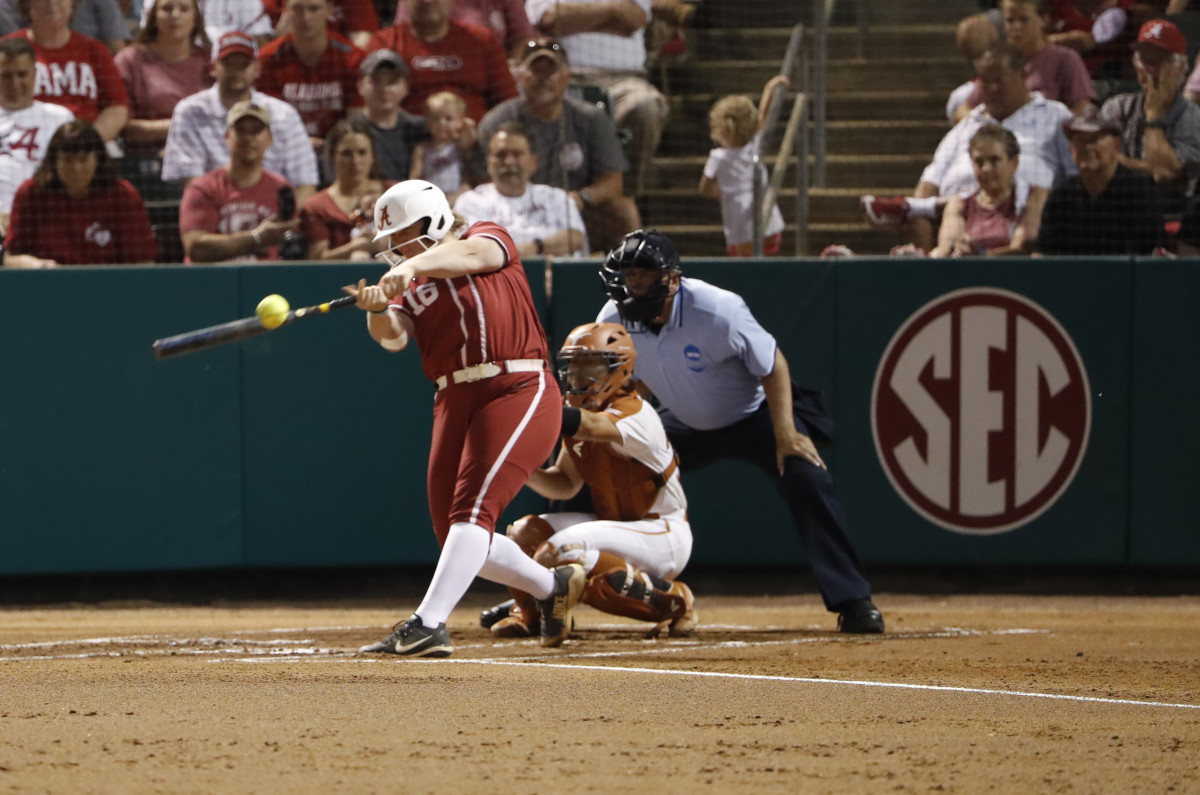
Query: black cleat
{"x": 496, "y": 612}
{"x": 860, "y": 617}
{"x": 413, "y": 639}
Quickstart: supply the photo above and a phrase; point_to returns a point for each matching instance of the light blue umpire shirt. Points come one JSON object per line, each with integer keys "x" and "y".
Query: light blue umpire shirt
{"x": 706, "y": 365}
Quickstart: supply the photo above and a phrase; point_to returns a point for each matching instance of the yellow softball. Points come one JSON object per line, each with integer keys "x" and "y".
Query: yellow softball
{"x": 273, "y": 310}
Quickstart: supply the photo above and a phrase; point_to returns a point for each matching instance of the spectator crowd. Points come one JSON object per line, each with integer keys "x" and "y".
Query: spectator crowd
{"x": 1079, "y": 134}
{"x": 273, "y": 124}
{"x": 419, "y": 89}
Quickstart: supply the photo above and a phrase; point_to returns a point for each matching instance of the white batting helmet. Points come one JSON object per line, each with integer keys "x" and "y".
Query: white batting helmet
{"x": 410, "y": 201}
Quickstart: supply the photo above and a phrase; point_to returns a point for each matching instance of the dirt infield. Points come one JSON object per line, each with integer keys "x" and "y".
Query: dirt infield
{"x": 964, "y": 693}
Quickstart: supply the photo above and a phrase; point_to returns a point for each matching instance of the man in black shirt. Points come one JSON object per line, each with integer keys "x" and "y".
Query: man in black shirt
{"x": 1108, "y": 209}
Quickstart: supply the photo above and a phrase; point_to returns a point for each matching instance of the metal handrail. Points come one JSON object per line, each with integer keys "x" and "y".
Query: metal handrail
{"x": 799, "y": 114}
{"x": 769, "y": 123}
{"x": 810, "y": 101}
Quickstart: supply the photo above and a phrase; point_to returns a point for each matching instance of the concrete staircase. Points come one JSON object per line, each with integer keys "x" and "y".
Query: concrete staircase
{"x": 885, "y": 113}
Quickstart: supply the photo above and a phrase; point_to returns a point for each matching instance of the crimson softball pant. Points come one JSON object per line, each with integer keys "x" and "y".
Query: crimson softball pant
{"x": 488, "y": 436}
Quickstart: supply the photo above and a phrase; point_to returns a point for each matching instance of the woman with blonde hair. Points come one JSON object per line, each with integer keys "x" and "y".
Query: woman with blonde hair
{"x": 168, "y": 60}
{"x": 735, "y": 126}
{"x": 497, "y": 412}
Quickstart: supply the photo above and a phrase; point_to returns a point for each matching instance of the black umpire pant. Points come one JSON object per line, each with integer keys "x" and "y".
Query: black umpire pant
{"x": 807, "y": 488}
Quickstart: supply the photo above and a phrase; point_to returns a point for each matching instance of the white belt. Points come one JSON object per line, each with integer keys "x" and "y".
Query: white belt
{"x": 478, "y": 372}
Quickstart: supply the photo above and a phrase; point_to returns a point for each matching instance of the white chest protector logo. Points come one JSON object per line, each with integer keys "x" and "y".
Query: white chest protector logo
{"x": 981, "y": 411}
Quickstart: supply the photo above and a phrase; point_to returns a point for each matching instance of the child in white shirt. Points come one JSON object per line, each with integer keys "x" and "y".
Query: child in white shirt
{"x": 735, "y": 126}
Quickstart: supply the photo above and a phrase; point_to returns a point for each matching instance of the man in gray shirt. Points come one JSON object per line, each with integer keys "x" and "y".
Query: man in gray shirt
{"x": 725, "y": 392}
{"x": 575, "y": 142}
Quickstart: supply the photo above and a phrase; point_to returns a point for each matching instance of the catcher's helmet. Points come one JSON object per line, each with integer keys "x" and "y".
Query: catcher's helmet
{"x": 406, "y": 203}
{"x": 649, "y": 250}
{"x": 595, "y": 364}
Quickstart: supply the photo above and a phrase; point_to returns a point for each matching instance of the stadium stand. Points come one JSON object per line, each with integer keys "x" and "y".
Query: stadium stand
{"x": 886, "y": 112}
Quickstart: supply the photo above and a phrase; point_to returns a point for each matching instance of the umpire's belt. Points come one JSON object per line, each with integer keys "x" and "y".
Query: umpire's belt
{"x": 478, "y": 372}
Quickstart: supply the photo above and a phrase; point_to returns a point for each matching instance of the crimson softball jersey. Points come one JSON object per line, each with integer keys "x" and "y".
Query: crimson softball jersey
{"x": 490, "y": 434}
{"x": 484, "y": 317}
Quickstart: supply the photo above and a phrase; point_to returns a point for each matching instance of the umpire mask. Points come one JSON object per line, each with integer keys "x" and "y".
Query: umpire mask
{"x": 650, "y": 251}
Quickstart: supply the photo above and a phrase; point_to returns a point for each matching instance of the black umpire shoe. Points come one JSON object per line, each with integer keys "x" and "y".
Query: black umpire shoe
{"x": 495, "y": 613}
{"x": 414, "y": 639}
{"x": 860, "y": 617}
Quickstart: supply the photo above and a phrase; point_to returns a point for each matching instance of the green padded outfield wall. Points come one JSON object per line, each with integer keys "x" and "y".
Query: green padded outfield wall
{"x": 301, "y": 447}
{"x": 307, "y": 446}
{"x": 1164, "y": 527}
{"x": 108, "y": 461}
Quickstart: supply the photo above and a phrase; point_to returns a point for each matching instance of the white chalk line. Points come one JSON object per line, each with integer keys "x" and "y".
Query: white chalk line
{"x": 815, "y": 681}
{"x": 541, "y": 663}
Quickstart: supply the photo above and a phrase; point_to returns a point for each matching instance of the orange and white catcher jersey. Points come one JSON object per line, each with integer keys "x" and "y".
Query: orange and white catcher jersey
{"x": 624, "y": 477}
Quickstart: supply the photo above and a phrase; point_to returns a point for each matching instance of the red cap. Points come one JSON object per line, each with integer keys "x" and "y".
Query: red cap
{"x": 1164, "y": 35}
{"x": 236, "y": 41}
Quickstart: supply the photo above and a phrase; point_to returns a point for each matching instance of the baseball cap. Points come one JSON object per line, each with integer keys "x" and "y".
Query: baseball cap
{"x": 237, "y": 42}
{"x": 247, "y": 108}
{"x": 1164, "y": 35}
{"x": 544, "y": 48}
{"x": 1090, "y": 121}
{"x": 383, "y": 57}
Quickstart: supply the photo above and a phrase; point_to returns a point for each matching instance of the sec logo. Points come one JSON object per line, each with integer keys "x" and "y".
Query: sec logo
{"x": 981, "y": 410}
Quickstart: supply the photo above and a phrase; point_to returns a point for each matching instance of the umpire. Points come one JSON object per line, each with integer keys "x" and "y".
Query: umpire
{"x": 725, "y": 392}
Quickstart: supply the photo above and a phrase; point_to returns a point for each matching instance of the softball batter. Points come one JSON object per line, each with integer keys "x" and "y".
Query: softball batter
{"x": 497, "y": 414}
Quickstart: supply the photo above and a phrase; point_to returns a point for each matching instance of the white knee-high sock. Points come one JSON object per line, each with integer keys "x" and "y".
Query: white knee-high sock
{"x": 463, "y": 554}
{"x": 508, "y": 565}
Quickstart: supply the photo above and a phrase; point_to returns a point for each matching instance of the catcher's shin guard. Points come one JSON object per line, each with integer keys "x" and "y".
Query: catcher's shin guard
{"x": 627, "y": 591}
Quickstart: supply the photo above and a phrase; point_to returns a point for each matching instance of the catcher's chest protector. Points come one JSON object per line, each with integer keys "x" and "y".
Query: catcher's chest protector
{"x": 622, "y": 489}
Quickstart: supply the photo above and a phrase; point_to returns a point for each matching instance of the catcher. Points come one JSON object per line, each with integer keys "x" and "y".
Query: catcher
{"x": 639, "y": 538}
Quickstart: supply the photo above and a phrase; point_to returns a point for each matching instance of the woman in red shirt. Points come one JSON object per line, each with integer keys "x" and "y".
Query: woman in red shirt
{"x": 498, "y": 410}
{"x": 337, "y": 221}
{"x": 76, "y": 211}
